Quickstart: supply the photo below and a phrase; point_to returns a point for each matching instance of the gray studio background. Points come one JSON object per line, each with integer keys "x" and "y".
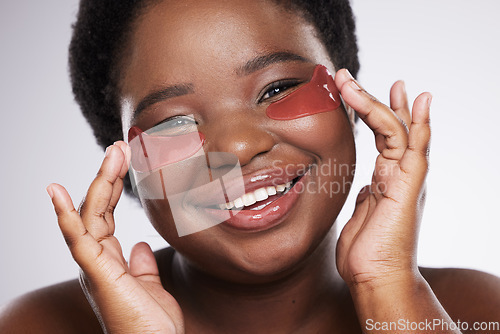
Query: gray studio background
{"x": 447, "y": 47}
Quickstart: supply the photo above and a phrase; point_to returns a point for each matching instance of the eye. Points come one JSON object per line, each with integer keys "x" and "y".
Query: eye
{"x": 277, "y": 88}
{"x": 174, "y": 126}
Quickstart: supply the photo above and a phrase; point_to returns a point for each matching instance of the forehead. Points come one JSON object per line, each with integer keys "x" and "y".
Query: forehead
{"x": 210, "y": 25}
{"x": 182, "y": 37}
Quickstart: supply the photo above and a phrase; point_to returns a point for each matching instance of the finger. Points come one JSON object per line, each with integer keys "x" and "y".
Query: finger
{"x": 118, "y": 186}
{"x": 98, "y": 198}
{"x": 380, "y": 118}
{"x": 363, "y": 194}
{"x": 82, "y": 245}
{"x": 354, "y": 225}
{"x": 357, "y": 220}
{"x": 142, "y": 262}
{"x": 127, "y": 153}
{"x": 416, "y": 157}
{"x": 399, "y": 102}
{"x": 143, "y": 266}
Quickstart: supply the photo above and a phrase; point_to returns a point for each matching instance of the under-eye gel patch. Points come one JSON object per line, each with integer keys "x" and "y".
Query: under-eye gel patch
{"x": 169, "y": 166}
{"x": 317, "y": 96}
{"x": 154, "y": 151}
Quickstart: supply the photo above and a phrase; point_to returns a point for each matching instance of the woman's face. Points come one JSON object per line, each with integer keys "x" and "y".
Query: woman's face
{"x": 225, "y": 58}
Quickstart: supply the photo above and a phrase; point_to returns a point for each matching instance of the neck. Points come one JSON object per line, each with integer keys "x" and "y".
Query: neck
{"x": 311, "y": 294}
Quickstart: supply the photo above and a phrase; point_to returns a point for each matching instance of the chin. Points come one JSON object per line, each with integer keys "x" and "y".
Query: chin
{"x": 258, "y": 258}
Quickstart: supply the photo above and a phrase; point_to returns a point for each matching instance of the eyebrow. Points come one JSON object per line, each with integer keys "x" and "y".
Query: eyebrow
{"x": 261, "y": 62}
{"x": 163, "y": 94}
{"x": 250, "y": 67}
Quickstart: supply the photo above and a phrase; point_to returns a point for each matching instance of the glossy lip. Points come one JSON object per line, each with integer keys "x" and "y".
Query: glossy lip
{"x": 259, "y": 220}
{"x": 263, "y": 178}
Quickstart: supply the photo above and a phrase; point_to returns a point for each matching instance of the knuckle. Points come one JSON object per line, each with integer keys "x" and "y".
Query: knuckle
{"x": 101, "y": 250}
{"x": 72, "y": 240}
{"x": 101, "y": 239}
{"x": 99, "y": 214}
{"x": 65, "y": 214}
{"x": 372, "y": 104}
{"x": 103, "y": 176}
{"x": 422, "y": 151}
{"x": 99, "y": 173}
{"x": 111, "y": 209}
{"x": 422, "y": 155}
{"x": 120, "y": 276}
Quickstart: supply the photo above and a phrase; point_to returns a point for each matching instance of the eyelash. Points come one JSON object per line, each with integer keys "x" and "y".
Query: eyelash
{"x": 274, "y": 89}
{"x": 173, "y": 124}
{"x": 277, "y": 88}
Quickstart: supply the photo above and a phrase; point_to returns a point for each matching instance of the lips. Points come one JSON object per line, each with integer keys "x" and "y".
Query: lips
{"x": 266, "y": 212}
{"x": 244, "y": 188}
{"x": 256, "y": 199}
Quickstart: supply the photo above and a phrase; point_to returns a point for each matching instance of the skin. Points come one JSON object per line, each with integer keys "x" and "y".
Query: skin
{"x": 295, "y": 278}
{"x": 223, "y": 100}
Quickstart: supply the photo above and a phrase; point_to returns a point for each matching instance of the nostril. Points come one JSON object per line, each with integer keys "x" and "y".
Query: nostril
{"x": 221, "y": 162}
{"x": 245, "y": 142}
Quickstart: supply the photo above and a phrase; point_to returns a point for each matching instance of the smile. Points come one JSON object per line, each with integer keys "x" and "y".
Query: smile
{"x": 263, "y": 208}
{"x": 257, "y": 197}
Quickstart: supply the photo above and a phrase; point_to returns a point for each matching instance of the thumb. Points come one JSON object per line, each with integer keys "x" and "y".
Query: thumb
{"x": 143, "y": 262}
{"x": 353, "y": 226}
{"x": 362, "y": 195}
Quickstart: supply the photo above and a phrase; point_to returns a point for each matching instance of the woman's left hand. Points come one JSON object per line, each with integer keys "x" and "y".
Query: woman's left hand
{"x": 378, "y": 245}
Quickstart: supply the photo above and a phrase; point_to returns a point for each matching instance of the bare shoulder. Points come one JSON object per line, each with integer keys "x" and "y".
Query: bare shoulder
{"x": 60, "y": 308}
{"x": 468, "y": 295}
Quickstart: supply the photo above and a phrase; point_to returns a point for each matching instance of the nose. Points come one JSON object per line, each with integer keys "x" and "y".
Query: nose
{"x": 243, "y": 136}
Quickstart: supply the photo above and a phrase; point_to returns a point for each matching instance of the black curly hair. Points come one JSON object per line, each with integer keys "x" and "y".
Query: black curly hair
{"x": 103, "y": 27}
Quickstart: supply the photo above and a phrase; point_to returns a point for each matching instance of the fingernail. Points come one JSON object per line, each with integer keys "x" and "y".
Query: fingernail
{"x": 50, "y": 192}
{"x": 403, "y": 86}
{"x": 429, "y": 101}
{"x": 349, "y": 73}
{"x": 108, "y": 149}
{"x": 354, "y": 85}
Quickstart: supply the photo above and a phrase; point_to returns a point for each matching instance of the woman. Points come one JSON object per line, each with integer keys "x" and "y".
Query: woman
{"x": 228, "y": 62}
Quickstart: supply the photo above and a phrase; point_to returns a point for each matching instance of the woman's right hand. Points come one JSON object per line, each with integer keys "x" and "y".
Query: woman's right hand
{"x": 127, "y": 298}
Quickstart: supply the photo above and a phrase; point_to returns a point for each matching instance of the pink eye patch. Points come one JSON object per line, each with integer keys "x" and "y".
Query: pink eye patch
{"x": 152, "y": 152}
{"x": 317, "y": 96}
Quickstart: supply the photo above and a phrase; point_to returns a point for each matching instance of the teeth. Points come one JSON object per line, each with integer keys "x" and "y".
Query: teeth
{"x": 271, "y": 190}
{"x": 226, "y": 206}
{"x": 253, "y": 197}
{"x": 249, "y": 199}
{"x": 238, "y": 203}
{"x": 261, "y": 194}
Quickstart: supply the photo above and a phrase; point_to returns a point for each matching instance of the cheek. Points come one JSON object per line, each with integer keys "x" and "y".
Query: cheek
{"x": 313, "y": 119}
{"x": 159, "y": 214}
{"x": 327, "y": 135}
